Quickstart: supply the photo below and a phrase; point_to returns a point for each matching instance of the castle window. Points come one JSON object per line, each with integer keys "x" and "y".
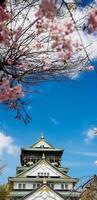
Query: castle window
{"x": 19, "y": 186}
{"x": 34, "y": 186}
{"x": 52, "y": 185}
{"x": 24, "y": 186}
{"x": 42, "y": 146}
{"x": 66, "y": 186}
{"x": 62, "y": 186}
{"x": 42, "y": 174}
{"x": 38, "y": 185}
{"x": 48, "y": 174}
{"x": 38, "y": 174}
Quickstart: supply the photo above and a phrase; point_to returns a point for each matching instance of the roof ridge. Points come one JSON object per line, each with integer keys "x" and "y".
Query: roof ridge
{"x": 42, "y": 138}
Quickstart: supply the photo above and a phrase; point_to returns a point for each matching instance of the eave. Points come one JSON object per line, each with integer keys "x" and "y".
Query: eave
{"x": 36, "y": 179}
{"x": 42, "y": 149}
{"x": 63, "y": 193}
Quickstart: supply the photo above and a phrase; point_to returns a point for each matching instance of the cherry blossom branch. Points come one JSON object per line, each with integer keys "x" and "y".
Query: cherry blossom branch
{"x": 38, "y": 44}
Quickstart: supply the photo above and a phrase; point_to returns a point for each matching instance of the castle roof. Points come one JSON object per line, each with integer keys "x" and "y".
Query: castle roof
{"x": 43, "y": 192}
{"x": 41, "y": 145}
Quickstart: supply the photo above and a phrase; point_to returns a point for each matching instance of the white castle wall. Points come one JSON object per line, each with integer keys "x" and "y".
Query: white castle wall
{"x": 57, "y": 186}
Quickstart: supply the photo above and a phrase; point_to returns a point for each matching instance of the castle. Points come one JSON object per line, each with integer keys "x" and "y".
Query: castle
{"x": 41, "y": 176}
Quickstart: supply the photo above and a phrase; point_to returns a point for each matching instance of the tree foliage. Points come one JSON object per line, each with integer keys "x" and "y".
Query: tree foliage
{"x": 5, "y": 189}
{"x": 2, "y": 167}
{"x": 89, "y": 192}
{"x": 4, "y": 192}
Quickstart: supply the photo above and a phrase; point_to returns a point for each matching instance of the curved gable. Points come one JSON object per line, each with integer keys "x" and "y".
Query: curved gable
{"x": 43, "y": 193}
{"x": 42, "y": 168}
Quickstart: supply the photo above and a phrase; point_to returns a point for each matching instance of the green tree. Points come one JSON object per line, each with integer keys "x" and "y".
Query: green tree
{"x": 5, "y": 189}
{"x": 2, "y": 167}
{"x": 4, "y": 192}
{"x": 90, "y": 190}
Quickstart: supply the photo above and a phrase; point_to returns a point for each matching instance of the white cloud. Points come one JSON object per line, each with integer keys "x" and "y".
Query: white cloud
{"x": 7, "y": 145}
{"x": 90, "y": 135}
{"x": 55, "y": 121}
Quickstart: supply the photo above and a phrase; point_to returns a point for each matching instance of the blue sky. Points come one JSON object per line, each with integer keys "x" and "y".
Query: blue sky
{"x": 66, "y": 112}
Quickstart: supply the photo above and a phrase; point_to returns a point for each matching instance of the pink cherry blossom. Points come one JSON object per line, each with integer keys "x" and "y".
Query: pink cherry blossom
{"x": 40, "y": 26}
{"x": 95, "y": 162}
{"x": 47, "y": 8}
{"x": 68, "y": 27}
{"x": 46, "y": 67}
{"x": 4, "y": 31}
{"x": 17, "y": 33}
{"x": 4, "y": 14}
{"x": 5, "y": 84}
{"x": 39, "y": 45}
{"x": 92, "y": 21}
{"x": 10, "y": 61}
{"x": 68, "y": 44}
{"x": 52, "y": 35}
{"x": 61, "y": 55}
{"x": 47, "y": 63}
{"x": 90, "y": 68}
{"x": 9, "y": 93}
{"x": 22, "y": 65}
{"x": 16, "y": 92}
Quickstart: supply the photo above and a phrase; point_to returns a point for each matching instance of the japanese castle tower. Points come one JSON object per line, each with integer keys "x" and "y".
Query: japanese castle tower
{"x": 41, "y": 176}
